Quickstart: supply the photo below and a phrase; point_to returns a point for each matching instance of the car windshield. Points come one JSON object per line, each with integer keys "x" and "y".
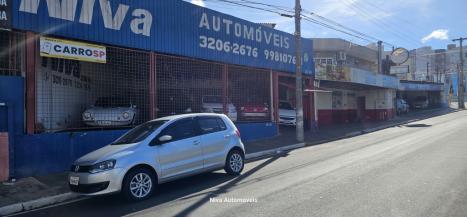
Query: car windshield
{"x": 212, "y": 99}
{"x": 109, "y": 102}
{"x": 285, "y": 105}
{"x": 139, "y": 133}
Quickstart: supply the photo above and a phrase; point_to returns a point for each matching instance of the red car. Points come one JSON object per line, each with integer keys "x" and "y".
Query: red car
{"x": 254, "y": 111}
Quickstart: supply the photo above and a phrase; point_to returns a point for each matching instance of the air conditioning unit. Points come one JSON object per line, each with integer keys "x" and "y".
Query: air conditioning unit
{"x": 342, "y": 56}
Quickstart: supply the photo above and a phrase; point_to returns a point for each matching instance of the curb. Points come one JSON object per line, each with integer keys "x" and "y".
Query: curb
{"x": 38, "y": 203}
{"x": 260, "y": 154}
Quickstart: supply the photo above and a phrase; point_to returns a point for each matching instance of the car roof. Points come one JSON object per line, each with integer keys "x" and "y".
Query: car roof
{"x": 175, "y": 117}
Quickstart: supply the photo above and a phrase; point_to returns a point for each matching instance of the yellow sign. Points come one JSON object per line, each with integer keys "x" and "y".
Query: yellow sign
{"x": 58, "y": 48}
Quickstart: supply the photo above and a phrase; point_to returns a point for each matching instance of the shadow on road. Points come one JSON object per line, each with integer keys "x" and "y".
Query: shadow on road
{"x": 418, "y": 125}
{"x": 166, "y": 194}
{"x": 225, "y": 188}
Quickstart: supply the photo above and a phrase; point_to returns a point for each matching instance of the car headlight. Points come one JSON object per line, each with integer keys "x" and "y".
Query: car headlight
{"x": 87, "y": 115}
{"x": 126, "y": 115}
{"x": 102, "y": 166}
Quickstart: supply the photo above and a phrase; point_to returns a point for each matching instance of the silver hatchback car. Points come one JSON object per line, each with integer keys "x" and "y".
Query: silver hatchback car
{"x": 159, "y": 151}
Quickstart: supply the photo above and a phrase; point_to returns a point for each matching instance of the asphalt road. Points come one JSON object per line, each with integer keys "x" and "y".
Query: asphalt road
{"x": 415, "y": 170}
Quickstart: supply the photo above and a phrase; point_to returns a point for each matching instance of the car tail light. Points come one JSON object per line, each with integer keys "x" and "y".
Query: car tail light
{"x": 238, "y": 133}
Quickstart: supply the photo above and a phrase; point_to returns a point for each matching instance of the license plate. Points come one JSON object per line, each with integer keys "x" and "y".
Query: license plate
{"x": 74, "y": 180}
{"x": 104, "y": 123}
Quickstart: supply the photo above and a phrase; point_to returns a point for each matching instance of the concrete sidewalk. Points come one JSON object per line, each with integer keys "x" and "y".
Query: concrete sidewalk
{"x": 340, "y": 131}
{"x": 35, "y": 192}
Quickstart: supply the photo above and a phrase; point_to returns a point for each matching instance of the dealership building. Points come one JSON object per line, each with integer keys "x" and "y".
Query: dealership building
{"x": 75, "y": 75}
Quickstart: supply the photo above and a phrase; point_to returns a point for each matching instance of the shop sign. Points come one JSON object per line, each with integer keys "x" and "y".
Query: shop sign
{"x": 420, "y": 87}
{"x": 165, "y": 26}
{"x": 399, "y": 70}
{"x": 400, "y": 55}
{"x": 5, "y": 14}
{"x": 332, "y": 72}
{"x": 58, "y": 48}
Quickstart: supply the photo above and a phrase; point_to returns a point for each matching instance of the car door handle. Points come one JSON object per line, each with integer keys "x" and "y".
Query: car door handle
{"x": 227, "y": 136}
{"x": 196, "y": 143}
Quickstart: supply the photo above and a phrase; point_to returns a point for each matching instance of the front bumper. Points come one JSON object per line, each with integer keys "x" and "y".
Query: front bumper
{"x": 105, "y": 123}
{"x": 106, "y": 182}
{"x": 287, "y": 121}
{"x": 254, "y": 114}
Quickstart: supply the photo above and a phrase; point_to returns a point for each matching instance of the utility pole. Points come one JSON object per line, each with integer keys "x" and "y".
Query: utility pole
{"x": 298, "y": 74}
{"x": 427, "y": 71}
{"x": 380, "y": 55}
{"x": 460, "y": 78}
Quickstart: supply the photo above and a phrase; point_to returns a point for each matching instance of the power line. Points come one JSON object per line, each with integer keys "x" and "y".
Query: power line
{"x": 347, "y": 28}
{"x": 320, "y": 17}
{"x": 378, "y": 21}
{"x": 253, "y": 7}
{"x": 309, "y": 19}
{"x": 325, "y": 23}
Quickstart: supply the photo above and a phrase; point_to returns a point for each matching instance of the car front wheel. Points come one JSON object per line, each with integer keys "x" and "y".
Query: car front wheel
{"x": 139, "y": 184}
{"x": 234, "y": 163}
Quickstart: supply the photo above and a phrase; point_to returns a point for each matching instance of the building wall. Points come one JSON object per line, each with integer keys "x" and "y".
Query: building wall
{"x": 324, "y": 108}
{"x": 453, "y": 59}
{"x": 356, "y": 56}
{"x": 423, "y": 63}
{"x": 344, "y": 106}
{"x": 55, "y": 89}
{"x": 4, "y": 156}
{"x": 379, "y": 104}
{"x": 340, "y": 106}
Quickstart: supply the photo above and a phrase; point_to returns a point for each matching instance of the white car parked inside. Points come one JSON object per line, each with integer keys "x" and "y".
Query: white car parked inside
{"x": 214, "y": 104}
{"x": 287, "y": 114}
{"x": 110, "y": 111}
{"x": 159, "y": 151}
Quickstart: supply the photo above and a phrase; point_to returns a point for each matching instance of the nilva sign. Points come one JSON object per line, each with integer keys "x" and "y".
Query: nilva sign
{"x": 167, "y": 26}
{"x": 141, "y": 20}
{"x": 5, "y": 14}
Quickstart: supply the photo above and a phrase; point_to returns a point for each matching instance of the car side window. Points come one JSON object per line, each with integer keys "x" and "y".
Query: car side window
{"x": 211, "y": 125}
{"x": 179, "y": 130}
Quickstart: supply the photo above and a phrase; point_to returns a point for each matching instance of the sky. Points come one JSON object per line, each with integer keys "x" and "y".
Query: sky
{"x": 402, "y": 23}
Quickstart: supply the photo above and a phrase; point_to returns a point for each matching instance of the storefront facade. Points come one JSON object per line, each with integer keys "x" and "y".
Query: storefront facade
{"x": 93, "y": 69}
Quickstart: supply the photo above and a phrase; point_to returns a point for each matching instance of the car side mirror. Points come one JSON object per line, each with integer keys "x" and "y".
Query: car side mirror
{"x": 165, "y": 138}
{"x": 161, "y": 140}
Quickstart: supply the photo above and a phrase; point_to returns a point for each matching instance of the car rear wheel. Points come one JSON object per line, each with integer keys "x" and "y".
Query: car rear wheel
{"x": 234, "y": 163}
{"x": 139, "y": 184}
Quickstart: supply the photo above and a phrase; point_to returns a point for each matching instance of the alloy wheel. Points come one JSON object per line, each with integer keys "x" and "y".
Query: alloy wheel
{"x": 140, "y": 185}
{"x": 236, "y": 162}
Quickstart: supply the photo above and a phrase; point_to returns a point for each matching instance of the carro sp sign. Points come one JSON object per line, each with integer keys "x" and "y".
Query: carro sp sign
{"x": 57, "y": 48}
